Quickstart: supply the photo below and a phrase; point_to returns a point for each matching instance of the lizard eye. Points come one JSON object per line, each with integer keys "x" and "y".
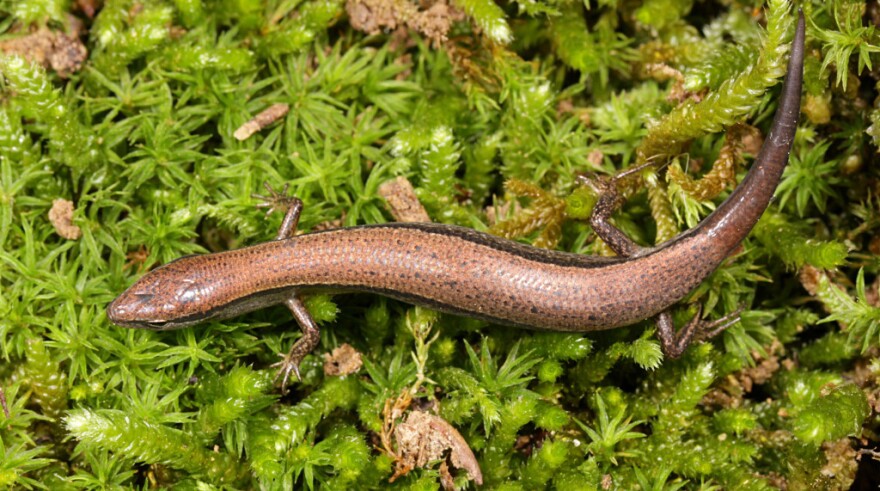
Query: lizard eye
{"x": 144, "y": 297}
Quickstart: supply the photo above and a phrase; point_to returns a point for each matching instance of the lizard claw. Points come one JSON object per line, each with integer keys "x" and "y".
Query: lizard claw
{"x": 289, "y": 364}
{"x": 708, "y": 330}
{"x": 276, "y": 200}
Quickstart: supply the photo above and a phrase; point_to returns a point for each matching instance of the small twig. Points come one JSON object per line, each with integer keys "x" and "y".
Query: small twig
{"x": 268, "y": 116}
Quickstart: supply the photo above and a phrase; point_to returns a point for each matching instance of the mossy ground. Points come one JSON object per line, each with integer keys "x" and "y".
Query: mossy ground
{"x": 460, "y": 98}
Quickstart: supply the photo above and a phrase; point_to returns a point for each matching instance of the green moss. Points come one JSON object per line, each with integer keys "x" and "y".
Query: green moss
{"x": 660, "y": 13}
{"x": 795, "y": 248}
{"x": 141, "y": 141}
{"x": 722, "y": 107}
{"x": 114, "y": 430}
{"x": 837, "y": 414}
{"x": 830, "y": 349}
{"x": 489, "y": 17}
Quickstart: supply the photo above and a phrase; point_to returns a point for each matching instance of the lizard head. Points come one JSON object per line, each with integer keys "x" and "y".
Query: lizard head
{"x": 169, "y": 297}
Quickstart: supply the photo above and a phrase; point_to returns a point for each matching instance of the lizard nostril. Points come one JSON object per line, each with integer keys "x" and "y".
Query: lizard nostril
{"x": 116, "y": 311}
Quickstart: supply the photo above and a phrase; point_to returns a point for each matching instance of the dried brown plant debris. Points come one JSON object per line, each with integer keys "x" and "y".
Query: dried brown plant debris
{"x": 872, "y": 293}
{"x": 373, "y": 16}
{"x": 763, "y": 370}
{"x": 528, "y": 444}
{"x": 776, "y": 480}
{"x": 722, "y": 397}
{"x": 424, "y": 438}
{"x": 821, "y": 285}
{"x": 432, "y": 20}
{"x": 841, "y": 464}
{"x": 566, "y": 106}
{"x": 435, "y": 21}
{"x": 402, "y": 201}
{"x": 809, "y": 277}
{"x": 343, "y": 360}
{"x": 89, "y": 7}
{"x": 677, "y": 93}
{"x": 547, "y": 212}
{"x": 51, "y": 49}
{"x": 137, "y": 258}
{"x": 729, "y": 394}
{"x": 265, "y": 118}
{"x": 476, "y": 64}
{"x": 328, "y": 225}
{"x": 61, "y": 217}
{"x": 723, "y": 172}
{"x": 864, "y": 375}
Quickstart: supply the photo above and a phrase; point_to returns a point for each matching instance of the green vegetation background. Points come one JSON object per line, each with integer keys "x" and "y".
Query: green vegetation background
{"x": 459, "y": 101}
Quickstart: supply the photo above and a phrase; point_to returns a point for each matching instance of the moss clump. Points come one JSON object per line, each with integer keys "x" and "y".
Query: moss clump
{"x": 492, "y": 111}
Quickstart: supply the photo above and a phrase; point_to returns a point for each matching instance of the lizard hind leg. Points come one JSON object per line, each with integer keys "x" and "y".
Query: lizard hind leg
{"x": 609, "y": 201}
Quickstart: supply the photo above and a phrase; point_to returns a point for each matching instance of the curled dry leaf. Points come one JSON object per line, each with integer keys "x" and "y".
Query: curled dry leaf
{"x": 343, "y": 360}
{"x": 402, "y": 201}
{"x": 423, "y": 438}
{"x": 61, "y": 216}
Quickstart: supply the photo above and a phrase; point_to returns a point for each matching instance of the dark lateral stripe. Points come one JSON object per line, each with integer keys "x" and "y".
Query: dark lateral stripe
{"x": 565, "y": 259}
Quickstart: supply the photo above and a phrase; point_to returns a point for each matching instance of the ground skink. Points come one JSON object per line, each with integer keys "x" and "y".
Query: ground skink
{"x": 465, "y": 272}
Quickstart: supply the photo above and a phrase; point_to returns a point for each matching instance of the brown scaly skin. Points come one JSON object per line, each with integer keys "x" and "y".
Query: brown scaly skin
{"x": 465, "y": 272}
